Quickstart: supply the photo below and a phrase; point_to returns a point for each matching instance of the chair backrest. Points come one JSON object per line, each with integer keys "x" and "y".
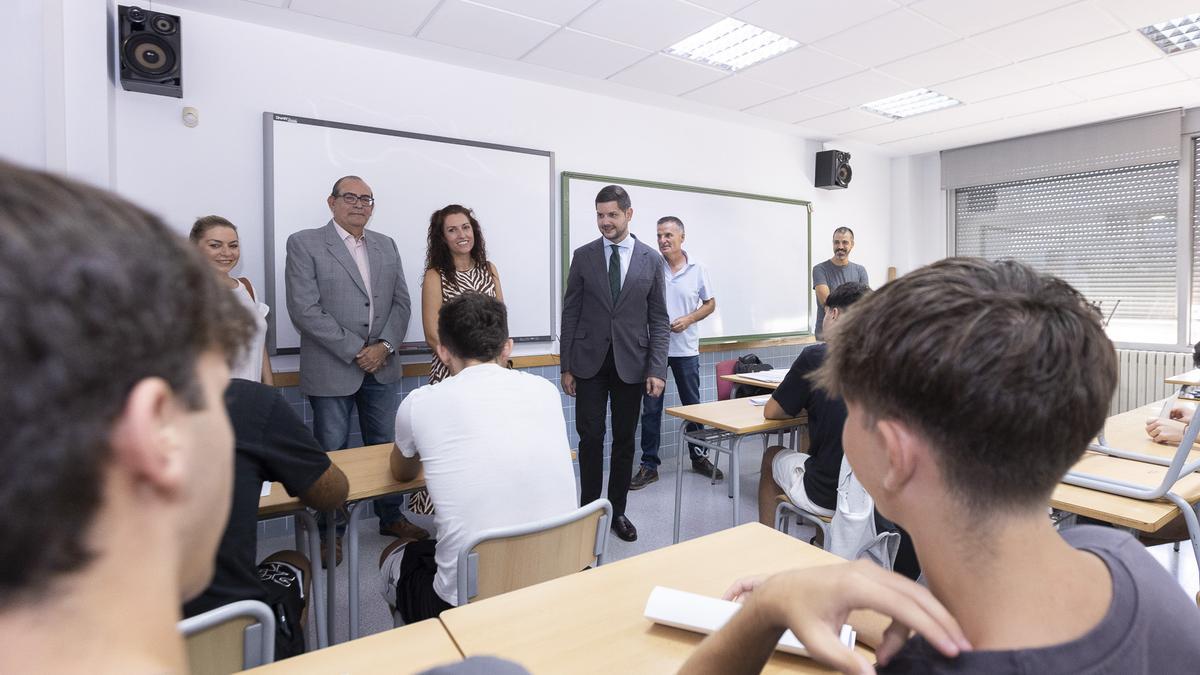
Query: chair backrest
{"x": 230, "y": 638}
{"x": 725, "y": 387}
{"x": 505, "y": 559}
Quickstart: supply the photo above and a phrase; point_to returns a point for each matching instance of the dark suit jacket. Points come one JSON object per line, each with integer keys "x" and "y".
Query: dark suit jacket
{"x": 637, "y": 326}
{"x": 328, "y": 302}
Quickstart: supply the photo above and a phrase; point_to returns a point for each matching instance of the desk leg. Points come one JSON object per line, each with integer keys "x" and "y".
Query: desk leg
{"x": 330, "y": 572}
{"x": 1189, "y": 517}
{"x": 313, "y": 537}
{"x": 679, "y": 480}
{"x": 356, "y": 511}
{"x": 735, "y": 449}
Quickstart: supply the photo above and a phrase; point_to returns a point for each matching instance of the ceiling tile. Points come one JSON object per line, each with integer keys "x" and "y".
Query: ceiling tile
{"x": 1124, "y": 80}
{"x": 792, "y": 108}
{"x": 736, "y": 92}
{"x": 1146, "y": 12}
{"x": 967, "y": 17}
{"x": 649, "y": 24}
{"x": 1123, "y": 50}
{"x": 887, "y": 38}
{"x": 998, "y": 82}
{"x": 811, "y": 20}
{"x": 844, "y": 121}
{"x": 1050, "y": 32}
{"x": 949, "y": 62}
{"x": 1188, "y": 62}
{"x": 858, "y": 89}
{"x": 1042, "y": 98}
{"x": 393, "y": 17}
{"x": 584, "y": 54}
{"x": 668, "y": 75}
{"x": 802, "y": 68}
{"x": 723, "y": 6}
{"x": 486, "y": 30}
{"x": 554, "y": 11}
{"x": 270, "y": 3}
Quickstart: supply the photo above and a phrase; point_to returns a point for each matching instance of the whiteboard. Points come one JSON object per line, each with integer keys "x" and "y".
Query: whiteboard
{"x": 412, "y": 175}
{"x": 755, "y": 248}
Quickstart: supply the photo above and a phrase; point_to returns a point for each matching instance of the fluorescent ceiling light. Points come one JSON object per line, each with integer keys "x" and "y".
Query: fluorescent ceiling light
{"x": 1175, "y": 35}
{"x": 910, "y": 103}
{"x": 731, "y": 45}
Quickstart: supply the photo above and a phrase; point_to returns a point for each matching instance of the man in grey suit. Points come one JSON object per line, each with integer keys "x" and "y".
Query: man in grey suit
{"x": 347, "y": 296}
{"x": 613, "y": 345}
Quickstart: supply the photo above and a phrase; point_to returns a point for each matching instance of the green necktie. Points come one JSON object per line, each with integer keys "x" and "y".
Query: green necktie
{"x": 614, "y": 272}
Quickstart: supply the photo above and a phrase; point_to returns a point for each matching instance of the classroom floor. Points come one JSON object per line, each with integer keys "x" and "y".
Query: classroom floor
{"x": 706, "y": 509}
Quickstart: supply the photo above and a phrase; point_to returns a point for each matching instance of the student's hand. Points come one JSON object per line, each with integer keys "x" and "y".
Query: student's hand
{"x": 681, "y": 324}
{"x": 372, "y": 357}
{"x": 1181, "y": 413}
{"x": 815, "y": 602}
{"x": 568, "y": 384}
{"x": 655, "y": 386}
{"x": 1167, "y": 432}
{"x": 742, "y": 588}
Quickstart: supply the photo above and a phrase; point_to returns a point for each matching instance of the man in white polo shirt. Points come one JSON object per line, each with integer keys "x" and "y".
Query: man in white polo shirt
{"x": 493, "y": 443}
{"x": 689, "y": 300}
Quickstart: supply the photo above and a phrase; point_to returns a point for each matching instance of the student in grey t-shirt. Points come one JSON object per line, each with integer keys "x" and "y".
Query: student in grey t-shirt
{"x": 836, "y": 271}
{"x": 971, "y": 387}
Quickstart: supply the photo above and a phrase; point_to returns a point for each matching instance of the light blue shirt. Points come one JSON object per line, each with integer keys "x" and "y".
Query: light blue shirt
{"x": 685, "y": 290}
{"x": 624, "y": 250}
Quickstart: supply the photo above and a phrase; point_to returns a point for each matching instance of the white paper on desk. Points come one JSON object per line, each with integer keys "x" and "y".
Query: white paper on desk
{"x": 702, "y": 614}
{"x": 760, "y": 400}
{"x": 266, "y": 490}
{"x": 774, "y": 375}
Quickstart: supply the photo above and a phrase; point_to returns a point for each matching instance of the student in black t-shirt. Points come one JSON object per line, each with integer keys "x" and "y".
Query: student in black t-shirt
{"x": 272, "y": 444}
{"x": 809, "y": 478}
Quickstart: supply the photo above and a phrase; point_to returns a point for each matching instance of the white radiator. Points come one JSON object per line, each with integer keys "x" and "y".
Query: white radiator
{"x": 1140, "y": 376}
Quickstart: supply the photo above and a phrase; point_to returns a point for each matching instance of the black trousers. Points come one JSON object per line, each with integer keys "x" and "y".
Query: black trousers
{"x": 592, "y": 395}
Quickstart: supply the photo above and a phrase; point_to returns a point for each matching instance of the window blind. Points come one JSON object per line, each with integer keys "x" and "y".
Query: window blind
{"x": 1110, "y": 233}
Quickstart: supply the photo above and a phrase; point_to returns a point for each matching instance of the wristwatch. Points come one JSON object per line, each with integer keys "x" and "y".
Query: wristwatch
{"x": 388, "y": 345}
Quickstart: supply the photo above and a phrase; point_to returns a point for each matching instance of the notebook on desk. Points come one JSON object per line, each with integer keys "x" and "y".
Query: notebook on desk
{"x": 774, "y": 375}
{"x": 702, "y": 614}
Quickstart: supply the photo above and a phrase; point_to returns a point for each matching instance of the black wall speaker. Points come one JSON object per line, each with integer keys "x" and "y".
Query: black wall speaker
{"x": 833, "y": 170}
{"x": 151, "y": 51}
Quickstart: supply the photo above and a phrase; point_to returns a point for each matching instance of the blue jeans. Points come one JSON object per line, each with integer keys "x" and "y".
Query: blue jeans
{"x": 376, "y": 405}
{"x": 686, "y": 370}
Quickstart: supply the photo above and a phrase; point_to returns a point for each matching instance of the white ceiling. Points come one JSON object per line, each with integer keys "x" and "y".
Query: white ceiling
{"x": 1019, "y": 66}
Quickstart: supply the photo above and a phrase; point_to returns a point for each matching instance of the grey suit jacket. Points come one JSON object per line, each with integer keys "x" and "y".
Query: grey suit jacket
{"x": 328, "y": 302}
{"x": 637, "y": 326}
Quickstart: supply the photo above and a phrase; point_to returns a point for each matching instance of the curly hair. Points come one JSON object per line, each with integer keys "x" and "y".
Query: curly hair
{"x": 437, "y": 251}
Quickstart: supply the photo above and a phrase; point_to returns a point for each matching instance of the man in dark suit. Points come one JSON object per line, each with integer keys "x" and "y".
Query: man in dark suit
{"x": 347, "y": 296}
{"x": 614, "y": 340}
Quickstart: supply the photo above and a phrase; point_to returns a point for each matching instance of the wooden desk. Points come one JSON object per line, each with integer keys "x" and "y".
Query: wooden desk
{"x": 1127, "y": 431}
{"x": 369, "y": 475}
{"x": 408, "y": 649}
{"x": 742, "y": 379}
{"x": 1191, "y": 377}
{"x": 592, "y": 622}
{"x": 736, "y": 418}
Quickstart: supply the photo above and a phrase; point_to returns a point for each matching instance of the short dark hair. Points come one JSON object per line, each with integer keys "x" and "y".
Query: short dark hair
{"x": 844, "y": 230}
{"x": 672, "y": 219}
{"x": 614, "y": 193}
{"x": 845, "y": 295}
{"x": 473, "y": 326}
{"x": 206, "y": 223}
{"x": 338, "y": 183}
{"x": 1005, "y": 371}
{"x": 96, "y": 295}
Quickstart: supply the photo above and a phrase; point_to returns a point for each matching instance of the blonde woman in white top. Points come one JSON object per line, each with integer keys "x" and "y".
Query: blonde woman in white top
{"x": 217, "y": 239}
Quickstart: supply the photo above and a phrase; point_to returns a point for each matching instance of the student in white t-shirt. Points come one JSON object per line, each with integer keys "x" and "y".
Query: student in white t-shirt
{"x": 493, "y": 443}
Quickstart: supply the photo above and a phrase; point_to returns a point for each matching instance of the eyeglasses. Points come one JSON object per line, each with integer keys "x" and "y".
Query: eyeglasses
{"x": 352, "y": 199}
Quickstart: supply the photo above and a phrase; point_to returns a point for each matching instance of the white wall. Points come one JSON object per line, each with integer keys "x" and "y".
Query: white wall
{"x": 234, "y": 71}
{"x": 23, "y": 105}
{"x": 919, "y": 234}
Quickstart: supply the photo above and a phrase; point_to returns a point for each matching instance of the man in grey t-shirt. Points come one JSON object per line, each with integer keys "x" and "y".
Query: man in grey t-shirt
{"x": 836, "y": 271}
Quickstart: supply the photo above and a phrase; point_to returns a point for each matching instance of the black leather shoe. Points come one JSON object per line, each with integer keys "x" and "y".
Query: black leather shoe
{"x": 624, "y": 529}
{"x": 645, "y": 476}
{"x": 705, "y": 468}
